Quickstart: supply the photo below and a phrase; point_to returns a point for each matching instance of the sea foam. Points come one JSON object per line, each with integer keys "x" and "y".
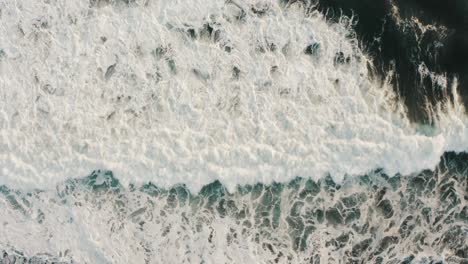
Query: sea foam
{"x": 195, "y": 91}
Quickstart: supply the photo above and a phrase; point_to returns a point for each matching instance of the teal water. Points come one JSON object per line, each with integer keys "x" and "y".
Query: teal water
{"x": 374, "y": 218}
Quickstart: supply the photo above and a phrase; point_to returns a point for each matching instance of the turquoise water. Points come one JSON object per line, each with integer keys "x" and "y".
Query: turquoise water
{"x": 419, "y": 218}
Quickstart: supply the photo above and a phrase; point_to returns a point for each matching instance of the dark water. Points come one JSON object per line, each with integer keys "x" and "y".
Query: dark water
{"x": 401, "y": 45}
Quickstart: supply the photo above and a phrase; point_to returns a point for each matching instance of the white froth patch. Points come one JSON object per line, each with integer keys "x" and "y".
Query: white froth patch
{"x": 146, "y": 91}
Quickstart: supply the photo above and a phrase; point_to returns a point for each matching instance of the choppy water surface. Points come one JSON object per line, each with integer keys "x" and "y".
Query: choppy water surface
{"x": 254, "y": 131}
{"x": 420, "y": 218}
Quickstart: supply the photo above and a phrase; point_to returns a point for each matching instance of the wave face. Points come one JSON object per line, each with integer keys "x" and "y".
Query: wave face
{"x": 255, "y": 131}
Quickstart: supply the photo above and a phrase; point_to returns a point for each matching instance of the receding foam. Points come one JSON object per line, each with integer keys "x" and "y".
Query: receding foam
{"x": 195, "y": 91}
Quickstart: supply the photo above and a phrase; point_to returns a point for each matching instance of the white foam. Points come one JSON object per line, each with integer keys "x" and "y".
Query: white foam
{"x": 65, "y": 111}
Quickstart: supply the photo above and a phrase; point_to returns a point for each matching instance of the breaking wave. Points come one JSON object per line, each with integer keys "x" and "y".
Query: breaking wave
{"x": 245, "y": 131}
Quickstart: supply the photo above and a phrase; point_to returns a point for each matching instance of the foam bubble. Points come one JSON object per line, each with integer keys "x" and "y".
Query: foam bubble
{"x": 193, "y": 91}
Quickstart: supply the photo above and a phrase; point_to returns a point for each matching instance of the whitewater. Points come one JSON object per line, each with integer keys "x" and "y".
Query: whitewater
{"x": 191, "y": 92}
{"x": 187, "y": 93}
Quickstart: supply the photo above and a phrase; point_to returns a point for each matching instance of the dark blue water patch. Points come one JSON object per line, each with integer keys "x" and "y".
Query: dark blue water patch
{"x": 402, "y": 46}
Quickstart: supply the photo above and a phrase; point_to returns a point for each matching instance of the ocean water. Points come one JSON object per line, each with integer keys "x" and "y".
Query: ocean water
{"x": 256, "y": 131}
